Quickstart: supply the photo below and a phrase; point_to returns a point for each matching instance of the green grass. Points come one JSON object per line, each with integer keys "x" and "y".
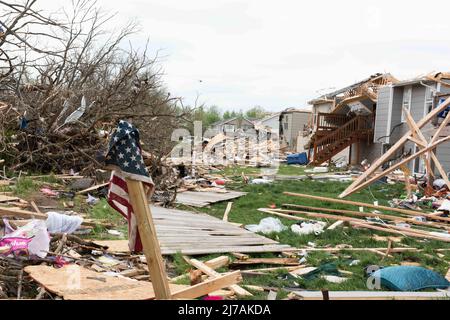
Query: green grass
{"x": 282, "y": 170}
{"x": 244, "y": 210}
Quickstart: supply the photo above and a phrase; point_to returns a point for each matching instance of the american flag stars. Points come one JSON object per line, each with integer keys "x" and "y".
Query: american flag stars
{"x": 125, "y": 152}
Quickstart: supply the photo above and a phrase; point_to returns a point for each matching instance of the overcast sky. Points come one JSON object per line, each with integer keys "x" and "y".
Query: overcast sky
{"x": 277, "y": 54}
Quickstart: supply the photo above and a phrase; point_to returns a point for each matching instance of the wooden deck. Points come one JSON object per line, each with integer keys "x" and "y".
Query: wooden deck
{"x": 202, "y": 199}
{"x": 195, "y": 234}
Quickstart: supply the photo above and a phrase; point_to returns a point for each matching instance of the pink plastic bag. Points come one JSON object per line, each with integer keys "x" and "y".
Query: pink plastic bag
{"x": 32, "y": 238}
{"x": 15, "y": 245}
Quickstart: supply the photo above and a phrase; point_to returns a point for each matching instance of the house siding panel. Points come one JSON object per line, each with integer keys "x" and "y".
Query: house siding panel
{"x": 443, "y": 154}
{"x": 382, "y": 113}
{"x": 396, "y": 122}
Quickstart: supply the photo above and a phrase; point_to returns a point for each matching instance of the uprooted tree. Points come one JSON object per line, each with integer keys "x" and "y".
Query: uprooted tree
{"x": 65, "y": 81}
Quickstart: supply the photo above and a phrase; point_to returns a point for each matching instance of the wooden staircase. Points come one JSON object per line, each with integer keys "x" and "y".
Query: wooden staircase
{"x": 334, "y": 139}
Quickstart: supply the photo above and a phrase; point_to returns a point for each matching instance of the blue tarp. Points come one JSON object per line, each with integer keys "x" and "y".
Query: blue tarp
{"x": 410, "y": 278}
{"x": 444, "y": 113}
{"x": 298, "y": 158}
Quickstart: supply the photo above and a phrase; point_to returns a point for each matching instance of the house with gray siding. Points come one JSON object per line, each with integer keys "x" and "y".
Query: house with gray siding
{"x": 292, "y": 123}
{"x": 343, "y": 121}
{"x": 233, "y": 125}
{"x": 419, "y": 96}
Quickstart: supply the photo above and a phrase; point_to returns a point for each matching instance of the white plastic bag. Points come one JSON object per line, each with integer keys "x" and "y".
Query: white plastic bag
{"x": 308, "y": 228}
{"x": 266, "y": 226}
{"x": 62, "y": 223}
{"x": 36, "y": 230}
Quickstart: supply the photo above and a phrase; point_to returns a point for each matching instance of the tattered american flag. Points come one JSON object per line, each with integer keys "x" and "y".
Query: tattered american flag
{"x": 125, "y": 160}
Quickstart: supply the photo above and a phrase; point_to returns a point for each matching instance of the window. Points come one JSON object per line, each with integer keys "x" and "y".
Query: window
{"x": 229, "y": 128}
{"x": 407, "y": 95}
{"x": 286, "y": 126}
{"x": 428, "y": 101}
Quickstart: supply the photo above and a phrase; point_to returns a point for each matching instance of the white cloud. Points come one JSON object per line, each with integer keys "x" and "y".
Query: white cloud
{"x": 279, "y": 54}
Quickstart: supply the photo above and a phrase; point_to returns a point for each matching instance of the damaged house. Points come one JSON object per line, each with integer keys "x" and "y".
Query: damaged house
{"x": 294, "y": 125}
{"x": 419, "y": 96}
{"x": 343, "y": 121}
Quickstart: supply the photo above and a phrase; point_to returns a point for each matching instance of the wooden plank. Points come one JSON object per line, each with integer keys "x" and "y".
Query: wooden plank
{"x": 93, "y": 188}
{"x": 371, "y": 170}
{"x": 247, "y": 249}
{"x": 202, "y": 199}
{"x": 363, "y": 204}
{"x": 210, "y": 235}
{"x": 227, "y": 211}
{"x": 362, "y": 223}
{"x": 373, "y": 215}
{"x": 413, "y": 126}
{"x": 4, "y": 198}
{"x": 372, "y": 295}
{"x": 150, "y": 244}
{"x": 35, "y": 207}
{"x": 214, "y": 274}
{"x": 281, "y": 261}
{"x": 208, "y": 286}
{"x": 240, "y": 256}
{"x": 439, "y": 130}
{"x": 401, "y": 231}
{"x": 215, "y": 263}
{"x": 19, "y": 213}
{"x": 399, "y": 164}
{"x": 73, "y": 282}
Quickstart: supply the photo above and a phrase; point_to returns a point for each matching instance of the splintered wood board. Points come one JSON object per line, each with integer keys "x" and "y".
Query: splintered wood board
{"x": 203, "y": 199}
{"x": 4, "y": 198}
{"x": 373, "y": 295}
{"x": 73, "y": 282}
{"x": 195, "y": 234}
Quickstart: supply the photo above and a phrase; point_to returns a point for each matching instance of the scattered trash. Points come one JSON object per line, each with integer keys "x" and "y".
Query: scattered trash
{"x": 354, "y": 263}
{"x": 108, "y": 261}
{"x": 115, "y": 233}
{"x": 61, "y": 223}
{"x": 49, "y": 192}
{"x": 334, "y": 279}
{"x": 445, "y": 206}
{"x": 31, "y": 239}
{"x": 266, "y": 226}
{"x": 306, "y": 228}
{"x": 439, "y": 183}
{"x": 261, "y": 181}
{"x": 91, "y": 200}
{"x": 298, "y": 158}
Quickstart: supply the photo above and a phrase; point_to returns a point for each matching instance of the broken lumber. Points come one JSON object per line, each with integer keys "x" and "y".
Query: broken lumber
{"x": 208, "y": 286}
{"x": 93, "y": 188}
{"x": 214, "y": 274}
{"x": 363, "y": 204}
{"x": 280, "y": 261}
{"x": 373, "y": 215}
{"x": 240, "y": 256}
{"x": 150, "y": 243}
{"x": 215, "y": 263}
{"x": 358, "y": 222}
{"x": 390, "y": 152}
{"x": 227, "y": 211}
{"x": 399, "y": 230}
{"x": 372, "y": 295}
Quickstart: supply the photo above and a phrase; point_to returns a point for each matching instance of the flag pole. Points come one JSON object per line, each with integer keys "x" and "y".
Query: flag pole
{"x": 150, "y": 243}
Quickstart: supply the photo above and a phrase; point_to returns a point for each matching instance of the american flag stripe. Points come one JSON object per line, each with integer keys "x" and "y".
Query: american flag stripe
{"x": 125, "y": 159}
